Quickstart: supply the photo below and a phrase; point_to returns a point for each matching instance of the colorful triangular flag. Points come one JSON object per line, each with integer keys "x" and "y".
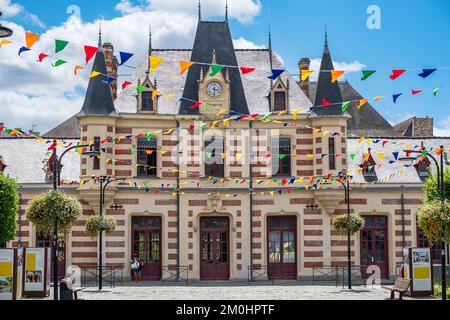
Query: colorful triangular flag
{"x": 42, "y": 56}
{"x": 335, "y": 74}
{"x": 124, "y": 57}
{"x": 426, "y": 72}
{"x": 23, "y": 49}
{"x": 246, "y": 70}
{"x": 184, "y": 65}
{"x": 30, "y": 39}
{"x": 154, "y": 63}
{"x": 304, "y": 74}
{"x": 345, "y": 105}
{"x": 414, "y": 92}
{"x": 276, "y": 73}
{"x": 367, "y": 73}
{"x": 58, "y": 63}
{"x": 60, "y": 45}
{"x": 215, "y": 69}
{"x": 395, "y": 97}
{"x": 90, "y": 52}
{"x": 396, "y": 73}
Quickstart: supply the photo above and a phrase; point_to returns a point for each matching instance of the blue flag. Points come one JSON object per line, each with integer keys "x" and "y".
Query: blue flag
{"x": 426, "y": 72}
{"x": 395, "y": 97}
{"x": 124, "y": 57}
{"x": 110, "y": 79}
{"x": 23, "y": 49}
{"x": 276, "y": 73}
{"x": 395, "y": 154}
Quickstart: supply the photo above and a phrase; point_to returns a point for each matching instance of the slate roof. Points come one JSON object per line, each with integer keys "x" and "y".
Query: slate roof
{"x": 69, "y": 129}
{"x": 385, "y": 171}
{"x": 23, "y": 158}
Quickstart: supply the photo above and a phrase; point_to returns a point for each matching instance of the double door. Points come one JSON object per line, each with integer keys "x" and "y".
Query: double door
{"x": 374, "y": 244}
{"x": 45, "y": 241}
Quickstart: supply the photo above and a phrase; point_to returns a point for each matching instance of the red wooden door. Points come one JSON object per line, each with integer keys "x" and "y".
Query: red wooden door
{"x": 282, "y": 247}
{"x": 214, "y": 246}
{"x": 43, "y": 241}
{"x": 374, "y": 244}
{"x": 147, "y": 245}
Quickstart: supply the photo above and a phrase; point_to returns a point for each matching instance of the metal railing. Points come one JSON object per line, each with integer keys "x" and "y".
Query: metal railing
{"x": 111, "y": 275}
{"x": 339, "y": 275}
{"x": 326, "y": 274}
{"x": 169, "y": 274}
{"x": 257, "y": 272}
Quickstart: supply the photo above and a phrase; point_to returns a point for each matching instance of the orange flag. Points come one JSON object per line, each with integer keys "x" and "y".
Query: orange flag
{"x": 75, "y": 70}
{"x": 30, "y": 39}
{"x": 184, "y": 65}
{"x": 155, "y": 94}
{"x": 361, "y": 103}
{"x": 335, "y": 74}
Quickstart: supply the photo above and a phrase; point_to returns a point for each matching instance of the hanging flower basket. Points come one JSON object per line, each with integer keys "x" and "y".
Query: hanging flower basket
{"x": 50, "y": 206}
{"x": 434, "y": 219}
{"x": 97, "y": 224}
{"x": 348, "y": 222}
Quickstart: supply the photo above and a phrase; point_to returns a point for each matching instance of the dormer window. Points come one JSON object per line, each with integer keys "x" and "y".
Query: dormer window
{"x": 422, "y": 168}
{"x": 368, "y": 168}
{"x": 147, "y": 101}
{"x": 2, "y": 165}
{"x": 279, "y": 96}
{"x": 50, "y": 169}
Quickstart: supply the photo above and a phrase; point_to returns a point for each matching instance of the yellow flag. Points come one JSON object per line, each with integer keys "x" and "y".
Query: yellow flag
{"x": 238, "y": 156}
{"x": 296, "y": 111}
{"x": 214, "y": 124}
{"x": 366, "y": 156}
{"x": 378, "y": 98}
{"x": 309, "y": 155}
{"x": 224, "y": 155}
{"x": 94, "y": 74}
{"x": 4, "y": 41}
{"x": 316, "y": 131}
{"x": 369, "y": 140}
{"x": 155, "y": 94}
{"x": 360, "y": 171}
{"x": 361, "y": 103}
{"x": 335, "y": 74}
{"x": 325, "y": 133}
{"x": 221, "y": 111}
{"x": 380, "y": 156}
{"x": 305, "y": 74}
{"x": 149, "y": 151}
{"x": 281, "y": 112}
{"x": 154, "y": 63}
{"x": 361, "y": 139}
{"x": 271, "y": 193}
{"x": 168, "y": 96}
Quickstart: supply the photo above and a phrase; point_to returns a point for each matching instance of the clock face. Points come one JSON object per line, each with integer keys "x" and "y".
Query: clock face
{"x": 214, "y": 89}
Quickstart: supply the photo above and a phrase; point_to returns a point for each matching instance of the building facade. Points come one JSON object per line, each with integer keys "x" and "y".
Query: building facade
{"x": 247, "y": 178}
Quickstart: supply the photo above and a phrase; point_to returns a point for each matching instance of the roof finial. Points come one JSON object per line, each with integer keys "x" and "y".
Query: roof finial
{"x": 270, "y": 49}
{"x": 214, "y": 58}
{"x": 149, "y": 48}
{"x": 226, "y": 10}
{"x": 100, "y": 35}
{"x": 326, "y": 37}
{"x": 199, "y": 10}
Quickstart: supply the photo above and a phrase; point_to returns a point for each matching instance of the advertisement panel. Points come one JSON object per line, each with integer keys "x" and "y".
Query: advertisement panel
{"x": 421, "y": 269}
{"x": 35, "y": 272}
{"x": 7, "y": 274}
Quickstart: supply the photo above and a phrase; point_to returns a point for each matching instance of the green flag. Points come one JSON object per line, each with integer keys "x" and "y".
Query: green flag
{"x": 352, "y": 155}
{"x": 149, "y": 136}
{"x": 60, "y": 45}
{"x": 367, "y": 73}
{"x": 282, "y": 156}
{"x": 133, "y": 151}
{"x": 215, "y": 68}
{"x": 435, "y": 91}
{"x": 58, "y": 63}
{"x": 139, "y": 89}
{"x": 345, "y": 105}
{"x": 209, "y": 154}
{"x": 266, "y": 116}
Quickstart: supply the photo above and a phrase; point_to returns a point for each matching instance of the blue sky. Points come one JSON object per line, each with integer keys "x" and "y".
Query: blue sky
{"x": 413, "y": 34}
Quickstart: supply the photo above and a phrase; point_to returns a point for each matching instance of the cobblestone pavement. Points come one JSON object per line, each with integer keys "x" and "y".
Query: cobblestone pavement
{"x": 202, "y": 292}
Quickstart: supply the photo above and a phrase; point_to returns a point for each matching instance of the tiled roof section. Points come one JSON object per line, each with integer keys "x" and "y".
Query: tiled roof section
{"x": 213, "y": 36}
{"x": 390, "y": 172}
{"x": 23, "y": 158}
{"x": 69, "y": 129}
{"x": 98, "y": 99}
{"x": 256, "y": 85}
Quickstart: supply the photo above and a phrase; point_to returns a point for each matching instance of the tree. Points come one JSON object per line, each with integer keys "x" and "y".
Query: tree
{"x": 9, "y": 204}
{"x": 434, "y": 219}
{"x": 44, "y": 209}
{"x": 431, "y": 187}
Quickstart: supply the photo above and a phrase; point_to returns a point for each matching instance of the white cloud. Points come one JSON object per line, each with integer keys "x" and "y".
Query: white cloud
{"x": 9, "y": 9}
{"x": 243, "y": 43}
{"x": 34, "y": 20}
{"x": 354, "y": 66}
{"x": 443, "y": 128}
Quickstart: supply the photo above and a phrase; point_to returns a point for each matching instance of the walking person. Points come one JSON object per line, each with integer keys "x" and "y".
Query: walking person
{"x": 135, "y": 266}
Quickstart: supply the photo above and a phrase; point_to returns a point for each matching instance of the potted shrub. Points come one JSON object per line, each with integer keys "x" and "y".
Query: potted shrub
{"x": 348, "y": 222}
{"x": 97, "y": 224}
{"x": 44, "y": 209}
{"x": 434, "y": 219}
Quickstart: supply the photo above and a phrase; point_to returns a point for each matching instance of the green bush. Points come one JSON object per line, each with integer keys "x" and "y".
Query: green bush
{"x": 438, "y": 290}
{"x": 348, "y": 222}
{"x": 9, "y": 204}
{"x": 44, "y": 209}
{"x": 96, "y": 224}
{"x": 434, "y": 219}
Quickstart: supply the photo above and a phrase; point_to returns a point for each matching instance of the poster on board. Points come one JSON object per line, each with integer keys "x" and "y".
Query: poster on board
{"x": 7, "y": 267}
{"x": 35, "y": 269}
{"x": 421, "y": 272}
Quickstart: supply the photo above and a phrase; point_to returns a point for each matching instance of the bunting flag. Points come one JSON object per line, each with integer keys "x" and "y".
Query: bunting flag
{"x": 124, "y": 57}
{"x": 380, "y": 156}
{"x": 435, "y": 91}
{"x": 184, "y": 65}
{"x": 60, "y": 45}
{"x": 335, "y": 74}
{"x": 155, "y": 95}
{"x": 238, "y": 156}
{"x": 139, "y": 89}
{"x": 94, "y": 74}
{"x": 154, "y": 63}
{"x": 4, "y": 41}
{"x": 367, "y": 73}
{"x": 395, "y": 97}
{"x": 326, "y": 103}
{"x": 42, "y": 56}
{"x": 414, "y": 92}
{"x": 395, "y": 154}
{"x": 90, "y": 52}
{"x": 215, "y": 69}
{"x": 377, "y": 98}
{"x": 246, "y": 70}
{"x": 305, "y": 74}
{"x": 109, "y": 80}
{"x": 294, "y": 114}
{"x": 30, "y": 39}
{"x": 221, "y": 111}
{"x": 125, "y": 84}
{"x": 345, "y": 105}
{"x": 23, "y": 49}
{"x": 426, "y": 72}
{"x": 276, "y": 73}
{"x": 75, "y": 70}
{"x": 58, "y": 63}
{"x": 361, "y": 103}
{"x": 196, "y": 105}
{"x": 396, "y": 73}
{"x": 169, "y": 96}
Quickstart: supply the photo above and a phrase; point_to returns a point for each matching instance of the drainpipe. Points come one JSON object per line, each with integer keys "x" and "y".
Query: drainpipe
{"x": 402, "y": 201}
{"x": 178, "y": 202}
{"x": 251, "y": 198}
{"x": 19, "y": 243}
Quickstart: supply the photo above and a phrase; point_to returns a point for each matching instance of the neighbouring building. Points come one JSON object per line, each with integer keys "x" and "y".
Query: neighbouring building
{"x": 254, "y": 208}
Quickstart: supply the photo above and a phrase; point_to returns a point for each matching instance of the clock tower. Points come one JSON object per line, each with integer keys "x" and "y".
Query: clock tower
{"x": 214, "y": 89}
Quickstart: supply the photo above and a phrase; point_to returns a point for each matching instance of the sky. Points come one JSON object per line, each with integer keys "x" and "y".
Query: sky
{"x": 376, "y": 34}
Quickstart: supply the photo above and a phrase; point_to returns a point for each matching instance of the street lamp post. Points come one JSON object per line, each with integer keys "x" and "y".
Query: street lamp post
{"x": 441, "y": 188}
{"x": 104, "y": 182}
{"x": 346, "y": 186}
{"x": 4, "y": 31}
{"x": 56, "y": 168}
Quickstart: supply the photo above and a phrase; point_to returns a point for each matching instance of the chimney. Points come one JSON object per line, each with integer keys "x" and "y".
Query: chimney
{"x": 303, "y": 64}
{"x": 111, "y": 66}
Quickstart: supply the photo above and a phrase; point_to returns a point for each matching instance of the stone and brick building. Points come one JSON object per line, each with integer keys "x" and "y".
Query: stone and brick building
{"x": 217, "y": 195}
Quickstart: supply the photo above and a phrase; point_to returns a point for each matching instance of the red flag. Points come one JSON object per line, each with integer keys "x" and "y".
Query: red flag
{"x": 416, "y": 91}
{"x": 396, "y": 73}
{"x": 90, "y": 52}
{"x": 104, "y": 141}
{"x": 52, "y": 146}
{"x": 138, "y": 135}
{"x": 42, "y": 56}
{"x": 196, "y": 105}
{"x": 325, "y": 102}
{"x": 246, "y": 70}
{"x": 384, "y": 142}
{"x": 125, "y": 84}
